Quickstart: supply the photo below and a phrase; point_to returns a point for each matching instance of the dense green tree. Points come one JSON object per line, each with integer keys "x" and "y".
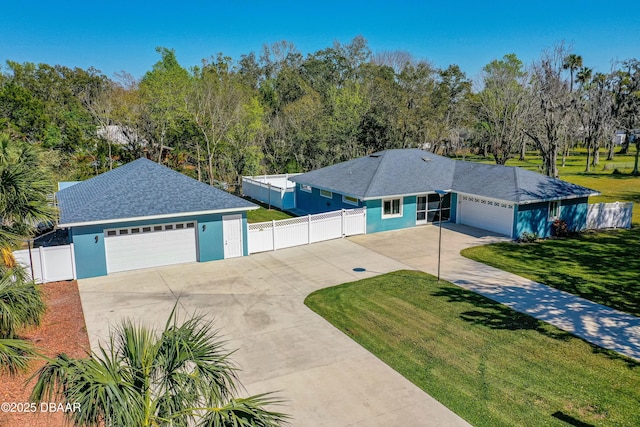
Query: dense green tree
{"x": 164, "y": 94}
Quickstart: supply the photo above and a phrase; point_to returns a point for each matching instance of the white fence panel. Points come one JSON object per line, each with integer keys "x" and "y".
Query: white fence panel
{"x": 275, "y": 190}
{"x": 326, "y": 226}
{"x": 292, "y": 232}
{"x": 609, "y": 215}
{"x": 355, "y": 222}
{"x": 260, "y": 237}
{"x": 269, "y": 236}
{"x": 50, "y": 264}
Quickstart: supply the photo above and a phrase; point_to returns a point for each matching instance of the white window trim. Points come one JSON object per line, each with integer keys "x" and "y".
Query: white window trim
{"x": 398, "y": 215}
{"x": 306, "y": 188}
{"x": 353, "y": 202}
{"x": 559, "y": 210}
{"x": 330, "y": 196}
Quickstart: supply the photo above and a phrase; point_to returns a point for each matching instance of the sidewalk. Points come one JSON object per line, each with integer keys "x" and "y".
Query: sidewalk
{"x": 595, "y": 323}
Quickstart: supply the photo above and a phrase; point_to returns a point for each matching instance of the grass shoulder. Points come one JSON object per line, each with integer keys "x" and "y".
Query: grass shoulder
{"x": 489, "y": 364}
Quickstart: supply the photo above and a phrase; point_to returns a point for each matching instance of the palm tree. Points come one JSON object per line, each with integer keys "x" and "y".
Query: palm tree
{"x": 182, "y": 376}
{"x": 572, "y": 62}
{"x": 24, "y": 193}
{"x": 20, "y": 306}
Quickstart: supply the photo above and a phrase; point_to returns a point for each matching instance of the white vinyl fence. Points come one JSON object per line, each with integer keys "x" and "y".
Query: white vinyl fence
{"x": 609, "y": 215}
{"x": 269, "y": 236}
{"x": 274, "y": 190}
{"x": 50, "y": 264}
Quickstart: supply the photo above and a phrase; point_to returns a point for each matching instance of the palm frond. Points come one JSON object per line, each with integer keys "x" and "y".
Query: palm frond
{"x": 245, "y": 412}
{"x": 15, "y": 355}
{"x": 21, "y": 301}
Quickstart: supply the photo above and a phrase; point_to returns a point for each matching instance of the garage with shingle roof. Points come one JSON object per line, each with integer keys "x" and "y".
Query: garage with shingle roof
{"x": 143, "y": 214}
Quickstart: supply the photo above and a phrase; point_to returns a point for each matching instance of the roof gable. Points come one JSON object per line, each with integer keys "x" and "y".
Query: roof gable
{"x": 141, "y": 188}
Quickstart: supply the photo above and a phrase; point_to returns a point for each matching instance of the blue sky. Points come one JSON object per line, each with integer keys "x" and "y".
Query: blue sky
{"x": 122, "y": 35}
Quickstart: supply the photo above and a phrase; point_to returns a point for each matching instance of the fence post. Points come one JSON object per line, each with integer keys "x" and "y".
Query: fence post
{"x": 342, "y": 225}
{"x": 73, "y": 261}
{"x": 364, "y": 218}
{"x": 309, "y": 229}
{"x": 273, "y": 235}
{"x": 43, "y": 269}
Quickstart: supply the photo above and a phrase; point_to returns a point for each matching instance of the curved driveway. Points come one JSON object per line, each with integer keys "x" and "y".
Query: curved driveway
{"x": 328, "y": 379}
{"x": 257, "y": 302}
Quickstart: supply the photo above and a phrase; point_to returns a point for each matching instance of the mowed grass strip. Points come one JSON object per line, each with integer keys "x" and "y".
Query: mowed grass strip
{"x": 263, "y": 214}
{"x": 603, "y": 267}
{"x": 486, "y": 362}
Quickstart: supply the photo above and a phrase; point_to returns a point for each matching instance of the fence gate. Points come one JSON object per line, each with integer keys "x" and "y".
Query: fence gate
{"x": 50, "y": 264}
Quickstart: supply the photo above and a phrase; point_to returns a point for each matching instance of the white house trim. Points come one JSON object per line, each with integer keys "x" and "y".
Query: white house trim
{"x": 154, "y": 217}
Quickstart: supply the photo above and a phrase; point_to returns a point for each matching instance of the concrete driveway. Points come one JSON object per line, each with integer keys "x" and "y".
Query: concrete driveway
{"x": 257, "y": 303}
{"x": 418, "y": 248}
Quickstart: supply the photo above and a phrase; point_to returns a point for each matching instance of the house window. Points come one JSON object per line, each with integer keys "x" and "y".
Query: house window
{"x": 554, "y": 209}
{"x": 392, "y": 208}
{"x": 327, "y": 194}
{"x": 350, "y": 200}
{"x": 305, "y": 187}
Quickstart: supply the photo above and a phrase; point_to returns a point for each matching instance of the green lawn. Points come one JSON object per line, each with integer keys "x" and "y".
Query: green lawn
{"x": 263, "y": 214}
{"x": 603, "y": 267}
{"x": 487, "y": 363}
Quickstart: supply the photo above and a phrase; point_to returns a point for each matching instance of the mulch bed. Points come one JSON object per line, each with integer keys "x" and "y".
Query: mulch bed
{"x": 62, "y": 331}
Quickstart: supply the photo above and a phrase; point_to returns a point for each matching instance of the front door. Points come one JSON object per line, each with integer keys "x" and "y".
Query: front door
{"x": 232, "y": 235}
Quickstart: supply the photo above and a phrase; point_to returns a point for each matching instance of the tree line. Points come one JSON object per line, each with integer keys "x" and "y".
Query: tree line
{"x": 280, "y": 111}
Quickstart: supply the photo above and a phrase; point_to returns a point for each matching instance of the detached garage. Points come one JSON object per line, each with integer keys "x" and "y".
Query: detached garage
{"x": 144, "y": 215}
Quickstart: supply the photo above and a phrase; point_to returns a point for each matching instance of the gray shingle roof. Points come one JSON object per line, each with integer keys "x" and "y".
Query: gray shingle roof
{"x": 414, "y": 171}
{"x": 141, "y": 188}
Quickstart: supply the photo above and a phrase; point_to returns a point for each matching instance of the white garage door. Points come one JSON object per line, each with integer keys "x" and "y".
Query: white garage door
{"x": 150, "y": 246}
{"x": 487, "y": 214}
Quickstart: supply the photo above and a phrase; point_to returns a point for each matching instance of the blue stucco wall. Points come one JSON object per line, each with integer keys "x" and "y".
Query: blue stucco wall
{"x": 376, "y": 223}
{"x": 574, "y": 213}
{"x": 534, "y": 218}
{"x": 313, "y": 203}
{"x": 454, "y": 207}
{"x": 90, "y": 255}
